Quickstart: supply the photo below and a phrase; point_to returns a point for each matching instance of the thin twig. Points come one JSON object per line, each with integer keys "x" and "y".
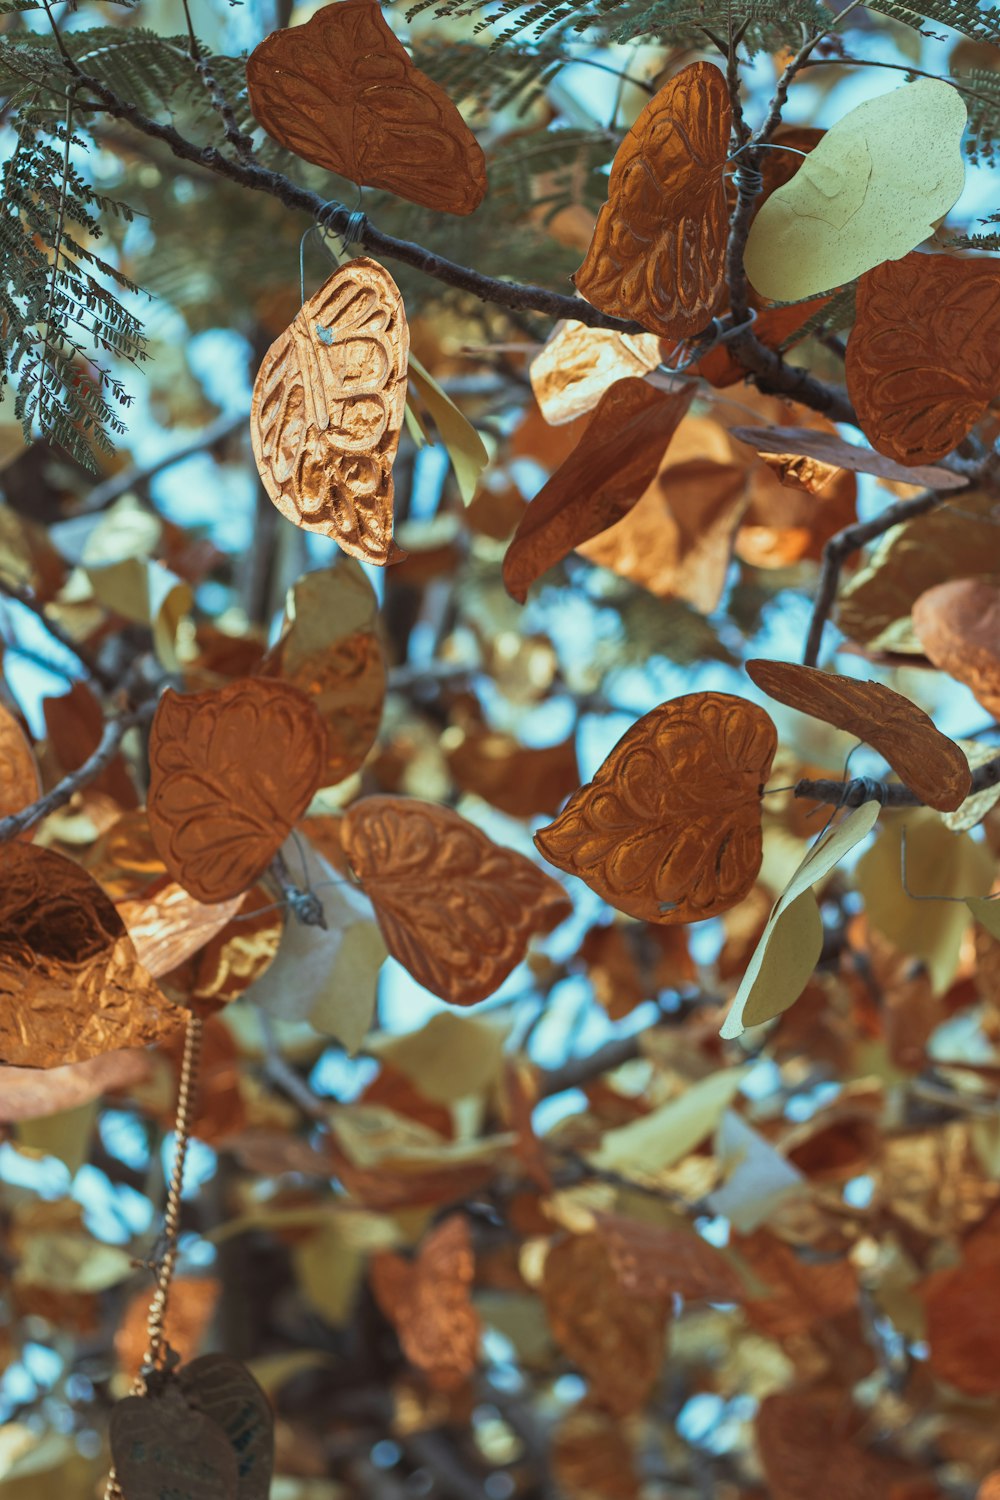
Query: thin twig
{"x": 889, "y": 793}
{"x": 241, "y": 143}
{"x": 109, "y": 490}
{"x": 63, "y": 792}
{"x": 839, "y": 547}
{"x": 29, "y": 599}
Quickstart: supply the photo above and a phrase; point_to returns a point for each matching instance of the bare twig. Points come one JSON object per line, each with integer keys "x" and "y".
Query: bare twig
{"x": 580, "y": 1070}
{"x": 889, "y": 793}
{"x": 114, "y": 732}
{"x": 29, "y": 599}
{"x": 241, "y": 143}
{"x": 839, "y": 547}
{"x": 109, "y": 490}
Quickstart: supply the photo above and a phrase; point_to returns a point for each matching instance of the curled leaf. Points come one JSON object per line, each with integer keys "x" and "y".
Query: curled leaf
{"x": 957, "y": 623}
{"x": 617, "y": 457}
{"x": 828, "y": 448}
{"x": 71, "y": 984}
{"x": 342, "y": 91}
{"x": 669, "y": 828}
{"x": 328, "y": 407}
{"x": 428, "y": 1303}
{"x": 868, "y": 192}
{"x": 929, "y": 762}
{"x": 231, "y": 772}
{"x": 658, "y": 252}
{"x": 923, "y": 358}
{"x": 455, "y": 909}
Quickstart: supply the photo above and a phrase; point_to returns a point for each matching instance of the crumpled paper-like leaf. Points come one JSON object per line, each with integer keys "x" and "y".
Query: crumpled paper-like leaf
{"x": 923, "y": 358}
{"x": 71, "y": 984}
{"x": 617, "y": 457}
{"x": 869, "y": 191}
{"x": 791, "y": 943}
{"x": 669, "y": 828}
{"x": 929, "y": 762}
{"x": 231, "y": 772}
{"x": 578, "y": 364}
{"x": 342, "y": 91}
{"x": 455, "y": 909}
{"x": 428, "y": 1303}
{"x": 658, "y": 252}
{"x": 328, "y": 407}
{"x": 957, "y": 623}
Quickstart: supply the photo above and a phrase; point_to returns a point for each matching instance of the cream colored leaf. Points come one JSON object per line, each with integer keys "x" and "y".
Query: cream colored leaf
{"x": 450, "y": 1058}
{"x": 660, "y": 1139}
{"x": 466, "y": 448}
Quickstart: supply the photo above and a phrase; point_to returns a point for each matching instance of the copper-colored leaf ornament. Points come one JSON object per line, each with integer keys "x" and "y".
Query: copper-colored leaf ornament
{"x": 162, "y": 1448}
{"x": 20, "y": 779}
{"x": 929, "y": 762}
{"x": 957, "y": 623}
{"x": 455, "y": 909}
{"x": 342, "y": 91}
{"x": 669, "y": 828}
{"x": 923, "y": 358}
{"x": 71, "y": 984}
{"x": 428, "y": 1303}
{"x": 224, "y": 1390}
{"x": 327, "y": 409}
{"x": 658, "y": 252}
{"x": 828, "y": 448}
{"x": 610, "y": 468}
{"x": 231, "y": 772}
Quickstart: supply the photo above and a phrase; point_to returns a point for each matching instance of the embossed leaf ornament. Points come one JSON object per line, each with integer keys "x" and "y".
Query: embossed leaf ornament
{"x": 923, "y": 358}
{"x": 231, "y": 772}
{"x": 342, "y": 91}
{"x": 929, "y": 762}
{"x": 428, "y": 1303}
{"x": 228, "y": 1395}
{"x": 957, "y": 624}
{"x": 327, "y": 409}
{"x": 669, "y": 828}
{"x": 455, "y": 909}
{"x": 71, "y": 984}
{"x": 659, "y": 247}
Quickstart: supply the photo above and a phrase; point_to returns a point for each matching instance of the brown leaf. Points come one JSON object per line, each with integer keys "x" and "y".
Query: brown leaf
{"x": 232, "y": 958}
{"x": 658, "y": 251}
{"x": 75, "y": 723}
{"x": 669, "y": 828}
{"x": 677, "y": 541}
{"x": 455, "y": 909}
{"x": 577, "y": 365}
{"x": 957, "y": 623}
{"x": 226, "y": 1392}
{"x": 427, "y": 1301}
{"x": 20, "y": 778}
{"x": 605, "y": 475}
{"x": 923, "y": 358}
{"x": 653, "y": 1261}
{"x": 990, "y": 1487}
{"x": 328, "y": 406}
{"x": 160, "y": 1445}
{"x": 833, "y": 450}
{"x": 231, "y": 772}
{"x": 592, "y": 1458}
{"x": 342, "y": 91}
{"x": 616, "y": 1338}
{"x": 192, "y": 1305}
{"x": 963, "y": 1327}
{"x": 329, "y": 649}
{"x": 932, "y": 765}
{"x": 70, "y": 981}
{"x": 809, "y": 1445}
{"x": 518, "y": 779}
{"x": 803, "y": 1293}
{"x": 27, "y": 1094}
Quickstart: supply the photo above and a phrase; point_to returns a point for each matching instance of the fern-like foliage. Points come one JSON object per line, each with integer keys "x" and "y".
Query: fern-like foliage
{"x": 61, "y": 318}
{"x": 981, "y": 23}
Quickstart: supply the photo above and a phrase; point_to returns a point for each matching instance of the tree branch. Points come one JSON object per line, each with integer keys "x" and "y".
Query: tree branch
{"x": 114, "y": 732}
{"x": 29, "y": 599}
{"x": 889, "y": 793}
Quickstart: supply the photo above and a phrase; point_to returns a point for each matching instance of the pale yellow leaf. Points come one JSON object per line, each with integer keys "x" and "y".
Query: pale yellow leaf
{"x": 451, "y": 1057}
{"x": 660, "y": 1139}
{"x": 466, "y": 448}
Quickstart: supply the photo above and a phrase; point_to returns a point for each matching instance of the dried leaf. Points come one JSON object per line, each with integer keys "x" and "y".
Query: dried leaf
{"x": 428, "y": 1303}
{"x": 658, "y": 1140}
{"x": 592, "y": 1458}
{"x": 810, "y": 1448}
{"x": 20, "y": 778}
{"x": 226, "y": 1392}
{"x": 617, "y": 457}
{"x": 232, "y": 959}
{"x": 868, "y": 192}
{"x": 831, "y": 449}
{"x": 678, "y": 540}
{"x": 669, "y": 828}
{"x": 329, "y": 649}
{"x": 193, "y": 1301}
{"x": 70, "y": 979}
{"x": 466, "y": 449}
{"x": 758, "y": 1180}
{"x": 455, "y": 909}
{"x": 27, "y": 1094}
{"x": 658, "y": 251}
{"x": 328, "y": 406}
{"x": 231, "y": 772}
{"x": 448, "y": 1058}
{"x": 651, "y": 1260}
{"x": 518, "y": 779}
{"x": 792, "y": 941}
{"x": 160, "y": 1445}
{"x": 578, "y": 365}
{"x": 616, "y": 1338}
{"x": 963, "y": 1327}
{"x": 923, "y": 358}
{"x": 169, "y": 926}
{"x": 932, "y": 765}
{"x": 75, "y": 724}
{"x": 957, "y": 623}
{"x": 341, "y": 91}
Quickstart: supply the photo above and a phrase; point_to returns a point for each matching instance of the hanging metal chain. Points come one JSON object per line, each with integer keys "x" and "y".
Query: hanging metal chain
{"x": 158, "y": 1355}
